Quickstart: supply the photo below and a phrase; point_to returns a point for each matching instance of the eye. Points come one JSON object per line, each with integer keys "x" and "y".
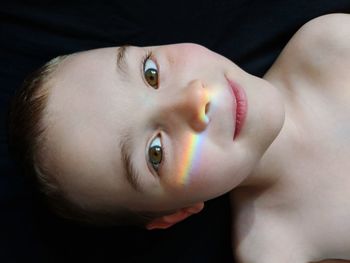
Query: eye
{"x": 150, "y": 71}
{"x": 155, "y": 153}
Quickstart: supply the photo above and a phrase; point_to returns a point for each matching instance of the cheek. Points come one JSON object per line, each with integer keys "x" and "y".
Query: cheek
{"x": 189, "y": 158}
{"x": 220, "y": 170}
{"x": 205, "y": 171}
{"x": 212, "y": 172}
{"x": 183, "y": 55}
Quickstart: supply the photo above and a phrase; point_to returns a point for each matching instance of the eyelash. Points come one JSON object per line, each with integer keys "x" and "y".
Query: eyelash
{"x": 148, "y": 55}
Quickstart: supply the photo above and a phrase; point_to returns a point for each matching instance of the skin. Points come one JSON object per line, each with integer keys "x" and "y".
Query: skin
{"x": 296, "y": 208}
{"x": 290, "y": 185}
{"x": 91, "y": 105}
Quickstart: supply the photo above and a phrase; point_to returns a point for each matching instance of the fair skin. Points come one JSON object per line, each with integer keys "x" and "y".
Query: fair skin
{"x": 295, "y": 208}
{"x": 92, "y": 104}
{"x": 287, "y": 207}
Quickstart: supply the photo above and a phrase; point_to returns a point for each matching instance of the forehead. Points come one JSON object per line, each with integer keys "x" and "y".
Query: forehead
{"x": 83, "y": 123}
{"x": 83, "y": 92}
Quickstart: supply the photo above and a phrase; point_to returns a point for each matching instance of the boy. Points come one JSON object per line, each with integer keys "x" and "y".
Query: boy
{"x": 146, "y": 135}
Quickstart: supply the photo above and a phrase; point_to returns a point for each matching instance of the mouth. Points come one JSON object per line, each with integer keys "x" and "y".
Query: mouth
{"x": 239, "y": 109}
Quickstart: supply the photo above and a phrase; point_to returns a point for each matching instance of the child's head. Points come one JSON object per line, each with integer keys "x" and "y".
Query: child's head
{"x": 142, "y": 133}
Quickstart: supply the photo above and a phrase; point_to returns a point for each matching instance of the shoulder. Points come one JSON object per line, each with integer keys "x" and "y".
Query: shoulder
{"x": 329, "y": 33}
{"x": 321, "y": 27}
{"x": 320, "y": 46}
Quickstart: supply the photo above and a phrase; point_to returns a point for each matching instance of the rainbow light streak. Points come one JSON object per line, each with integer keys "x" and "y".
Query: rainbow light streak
{"x": 190, "y": 157}
{"x": 193, "y": 146}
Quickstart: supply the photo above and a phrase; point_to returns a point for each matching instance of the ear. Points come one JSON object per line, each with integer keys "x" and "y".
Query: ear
{"x": 169, "y": 220}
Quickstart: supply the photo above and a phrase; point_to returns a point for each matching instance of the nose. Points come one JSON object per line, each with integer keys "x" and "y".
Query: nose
{"x": 190, "y": 105}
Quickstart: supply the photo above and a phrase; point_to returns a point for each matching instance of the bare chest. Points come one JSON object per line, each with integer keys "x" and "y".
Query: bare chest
{"x": 306, "y": 215}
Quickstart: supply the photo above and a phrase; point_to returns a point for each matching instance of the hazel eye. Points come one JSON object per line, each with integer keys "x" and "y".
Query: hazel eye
{"x": 150, "y": 70}
{"x": 155, "y": 153}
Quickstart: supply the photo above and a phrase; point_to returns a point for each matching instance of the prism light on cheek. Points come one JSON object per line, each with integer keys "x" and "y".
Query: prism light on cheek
{"x": 190, "y": 158}
{"x": 193, "y": 144}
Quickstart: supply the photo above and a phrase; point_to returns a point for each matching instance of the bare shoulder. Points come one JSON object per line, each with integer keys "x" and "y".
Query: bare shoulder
{"x": 328, "y": 33}
{"x": 321, "y": 46}
{"x": 321, "y": 28}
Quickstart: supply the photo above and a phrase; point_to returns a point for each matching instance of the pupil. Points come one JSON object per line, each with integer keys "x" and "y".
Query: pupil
{"x": 156, "y": 154}
{"x": 151, "y": 75}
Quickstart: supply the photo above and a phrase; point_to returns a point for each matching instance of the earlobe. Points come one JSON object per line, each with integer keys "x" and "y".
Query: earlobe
{"x": 170, "y": 220}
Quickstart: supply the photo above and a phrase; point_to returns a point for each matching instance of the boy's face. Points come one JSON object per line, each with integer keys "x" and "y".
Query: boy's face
{"x": 117, "y": 109}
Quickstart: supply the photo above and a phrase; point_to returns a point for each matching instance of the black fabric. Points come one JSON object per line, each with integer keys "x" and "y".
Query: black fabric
{"x": 250, "y": 32}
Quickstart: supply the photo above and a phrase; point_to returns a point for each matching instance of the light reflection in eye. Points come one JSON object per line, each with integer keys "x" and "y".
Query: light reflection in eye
{"x": 150, "y": 71}
{"x": 155, "y": 153}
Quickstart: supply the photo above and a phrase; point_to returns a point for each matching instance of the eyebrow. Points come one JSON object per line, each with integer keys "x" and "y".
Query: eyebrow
{"x": 130, "y": 173}
{"x": 122, "y": 64}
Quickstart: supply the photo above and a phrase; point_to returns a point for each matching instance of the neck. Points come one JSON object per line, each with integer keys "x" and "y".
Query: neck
{"x": 272, "y": 166}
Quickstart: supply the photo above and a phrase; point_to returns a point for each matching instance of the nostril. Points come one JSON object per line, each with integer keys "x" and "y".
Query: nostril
{"x": 207, "y": 106}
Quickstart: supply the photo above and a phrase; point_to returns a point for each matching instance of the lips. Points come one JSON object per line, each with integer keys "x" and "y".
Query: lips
{"x": 240, "y": 106}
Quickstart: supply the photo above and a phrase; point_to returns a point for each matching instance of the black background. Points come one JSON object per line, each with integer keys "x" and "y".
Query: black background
{"x": 249, "y": 32}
